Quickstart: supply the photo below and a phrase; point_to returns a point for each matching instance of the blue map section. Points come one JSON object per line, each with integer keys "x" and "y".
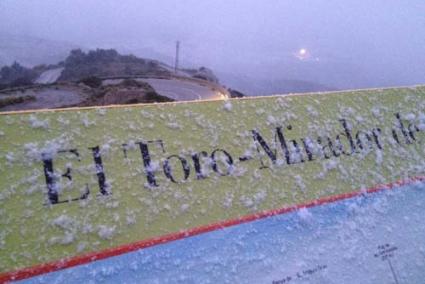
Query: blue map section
{"x": 375, "y": 238}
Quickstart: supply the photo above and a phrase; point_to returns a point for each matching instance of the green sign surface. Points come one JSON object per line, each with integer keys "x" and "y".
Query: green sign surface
{"x": 79, "y": 181}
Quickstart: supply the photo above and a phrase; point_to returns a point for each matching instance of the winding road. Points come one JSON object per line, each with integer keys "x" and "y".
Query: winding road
{"x": 181, "y": 89}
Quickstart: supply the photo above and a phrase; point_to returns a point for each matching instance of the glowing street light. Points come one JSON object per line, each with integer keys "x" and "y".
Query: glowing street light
{"x": 302, "y": 54}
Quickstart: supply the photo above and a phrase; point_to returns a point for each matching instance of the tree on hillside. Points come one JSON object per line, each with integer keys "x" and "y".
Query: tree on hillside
{"x": 16, "y": 74}
{"x": 102, "y": 56}
{"x": 106, "y": 62}
{"x": 76, "y": 57}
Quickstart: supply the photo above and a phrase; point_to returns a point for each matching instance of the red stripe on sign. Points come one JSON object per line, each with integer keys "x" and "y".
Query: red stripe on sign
{"x": 90, "y": 257}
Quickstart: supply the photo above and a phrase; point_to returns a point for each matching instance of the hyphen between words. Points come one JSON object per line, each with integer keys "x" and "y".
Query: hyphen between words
{"x": 222, "y": 163}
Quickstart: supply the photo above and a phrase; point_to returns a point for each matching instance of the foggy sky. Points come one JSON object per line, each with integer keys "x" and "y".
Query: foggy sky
{"x": 351, "y": 43}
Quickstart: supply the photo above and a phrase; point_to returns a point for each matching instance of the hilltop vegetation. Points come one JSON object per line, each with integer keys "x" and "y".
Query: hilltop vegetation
{"x": 106, "y": 63}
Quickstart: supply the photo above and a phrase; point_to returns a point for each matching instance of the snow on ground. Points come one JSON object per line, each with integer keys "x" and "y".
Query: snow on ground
{"x": 50, "y": 76}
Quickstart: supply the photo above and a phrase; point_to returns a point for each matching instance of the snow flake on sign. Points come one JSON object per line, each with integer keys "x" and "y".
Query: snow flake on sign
{"x": 259, "y": 111}
{"x": 38, "y": 123}
{"x": 184, "y": 207}
{"x": 106, "y": 232}
{"x": 228, "y": 199}
{"x": 271, "y": 120}
{"x": 63, "y": 121}
{"x": 379, "y": 157}
{"x": 304, "y": 214}
{"x": 360, "y": 119}
{"x": 253, "y": 201}
{"x": 329, "y": 165}
{"x": 107, "y": 148}
{"x": 347, "y": 110}
{"x": 312, "y": 111}
{"x": 300, "y": 183}
{"x": 81, "y": 246}
{"x": 376, "y": 111}
{"x": 10, "y": 157}
{"x": 228, "y": 106}
{"x": 409, "y": 116}
{"x": 239, "y": 171}
{"x": 69, "y": 228}
{"x": 63, "y": 222}
{"x": 34, "y": 151}
{"x": 174, "y": 125}
{"x": 101, "y": 111}
{"x": 86, "y": 121}
{"x": 2, "y": 239}
{"x": 146, "y": 114}
{"x": 130, "y": 217}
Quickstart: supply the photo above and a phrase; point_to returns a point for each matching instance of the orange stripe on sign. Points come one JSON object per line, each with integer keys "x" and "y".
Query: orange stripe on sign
{"x": 90, "y": 257}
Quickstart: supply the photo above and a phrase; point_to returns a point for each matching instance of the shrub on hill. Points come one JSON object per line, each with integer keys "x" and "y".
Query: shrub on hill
{"x": 107, "y": 63}
{"x": 16, "y": 74}
{"x": 92, "y": 81}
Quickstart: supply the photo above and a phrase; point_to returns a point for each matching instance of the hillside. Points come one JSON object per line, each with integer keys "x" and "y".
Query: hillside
{"x": 101, "y": 63}
{"x": 103, "y": 77}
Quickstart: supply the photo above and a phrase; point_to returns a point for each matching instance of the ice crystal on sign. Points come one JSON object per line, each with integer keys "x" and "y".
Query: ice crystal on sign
{"x": 32, "y": 152}
{"x": 331, "y": 164}
{"x": 68, "y": 226}
{"x": 304, "y": 214}
{"x": 101, "y": 111}
{"x": 228, "y": 106}
{"x": 376, "y": 112}
{"x": 360, "y": 119}
{"x": 106, "y": 232}
{"x": 379, "y": 157}
{"x": 10, "y": 157}
{"x": 184, "y": 207}
{"x": 63, "y": 221}
{"x": 36, "y": 123}
{"x": 174, "y": 125}
{"x": 313, "y": 112}
{"x": 410, "y": 116}
{"x": 130, "y": 219}
{"x": 271, "y": 120}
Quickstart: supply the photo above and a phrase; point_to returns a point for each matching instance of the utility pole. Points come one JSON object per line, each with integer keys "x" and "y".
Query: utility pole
{"x": 176, "y": 63}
